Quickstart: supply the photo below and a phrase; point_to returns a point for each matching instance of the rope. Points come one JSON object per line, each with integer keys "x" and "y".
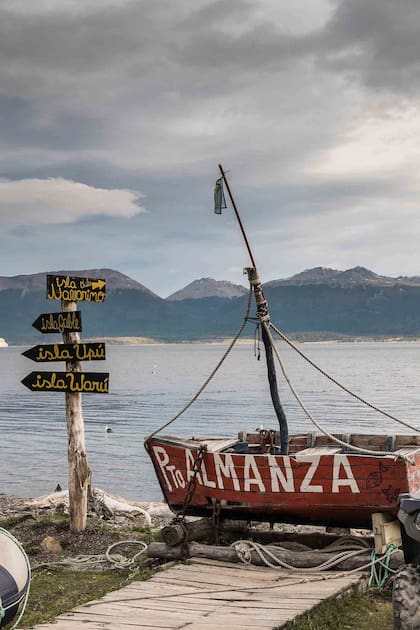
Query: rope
{"x": 304, "y": 580}
{"x": 116, "y": 560}
{"x": 269, "y": 557}
{"x": 25, "y": 596}
{"x": 320, "y": 427}
{"x": 207, "y": 381}
{"x": 340, "y": 385}
{"x": 380, "y": 569}
{"x": 379, "y": 566}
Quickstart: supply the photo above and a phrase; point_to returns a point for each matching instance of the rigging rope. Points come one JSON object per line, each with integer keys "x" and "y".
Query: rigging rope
{"x": 336, "y": 382}
{"x": 207, "y": 381}
{"x": 293, "y": 390}
{"x": 312, "y": 419}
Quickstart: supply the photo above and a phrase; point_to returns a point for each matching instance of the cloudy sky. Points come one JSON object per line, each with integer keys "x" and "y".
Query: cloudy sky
{"x": 115, "y": 113}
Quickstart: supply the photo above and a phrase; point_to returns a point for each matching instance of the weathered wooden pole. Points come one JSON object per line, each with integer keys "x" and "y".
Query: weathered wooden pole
{"x": 79, "y": 473}
{"x": 73, "y": 382}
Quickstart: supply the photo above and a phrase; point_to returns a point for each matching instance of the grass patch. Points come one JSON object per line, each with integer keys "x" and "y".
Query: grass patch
{"x": 55, "y": 592}
{"x": 360, "y": 610}
{"x": 55, "y": 589}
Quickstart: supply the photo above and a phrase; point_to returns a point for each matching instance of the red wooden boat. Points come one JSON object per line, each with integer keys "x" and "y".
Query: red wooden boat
{"x": 319, "y": 484}
{"x": 271, "y": 476}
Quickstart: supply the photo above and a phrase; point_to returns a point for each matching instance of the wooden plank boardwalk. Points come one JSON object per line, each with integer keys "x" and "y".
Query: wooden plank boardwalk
{"x": 207, "y": 595}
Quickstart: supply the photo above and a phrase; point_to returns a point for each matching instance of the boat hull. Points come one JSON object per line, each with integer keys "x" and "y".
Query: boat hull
{"x": 315, "y": 486}
{"x": 14, "y": 576}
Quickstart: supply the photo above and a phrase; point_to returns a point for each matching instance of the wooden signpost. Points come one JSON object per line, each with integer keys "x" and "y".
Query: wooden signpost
{"x": 66, "y": 352}
{"x": 84, "y": 382}
{"x": 59, "y": 322}
{"x": 73, "y": 382}
{"x": 74, "y": 289}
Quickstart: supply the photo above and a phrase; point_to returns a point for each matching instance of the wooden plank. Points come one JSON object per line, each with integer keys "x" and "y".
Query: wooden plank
{"x": 212, "y": 579}
{"x": 167, "y": 603}
{"x": 69, "y": 624}
{"x": 153, "y": 618}
{"x": 133, "y": 618}
{"x": 215, "y": 446}
{"x": 237, "y": 571}
{"x": 153, "y": 590}
{"x": 173, "y": 608}
{"x": 319, "y": 450}
{"x": 211, "y": 625}
{"x": 275, "y": 618}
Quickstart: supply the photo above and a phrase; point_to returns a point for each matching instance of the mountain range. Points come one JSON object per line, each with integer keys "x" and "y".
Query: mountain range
{"x": 317, "y": 301}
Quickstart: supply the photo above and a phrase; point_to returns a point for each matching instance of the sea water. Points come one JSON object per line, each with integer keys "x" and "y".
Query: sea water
{"x": 150, "y": 383}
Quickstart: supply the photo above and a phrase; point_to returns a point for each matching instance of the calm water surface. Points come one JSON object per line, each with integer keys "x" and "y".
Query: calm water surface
{"x": 149, "y": 384}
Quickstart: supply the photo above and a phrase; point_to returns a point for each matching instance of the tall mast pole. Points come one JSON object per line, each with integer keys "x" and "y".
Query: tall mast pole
{"x": 232, "y": 200}
{"x": 264, "y": 318}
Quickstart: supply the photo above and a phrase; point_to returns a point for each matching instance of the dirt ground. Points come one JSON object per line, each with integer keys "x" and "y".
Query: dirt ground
{"x": 32, "y": 525}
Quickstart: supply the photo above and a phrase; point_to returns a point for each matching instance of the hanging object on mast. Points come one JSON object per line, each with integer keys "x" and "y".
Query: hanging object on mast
{"x": 219, "y": 196}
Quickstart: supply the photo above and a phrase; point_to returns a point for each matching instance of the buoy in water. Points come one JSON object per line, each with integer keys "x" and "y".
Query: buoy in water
{"x": 15, "y": 576}
{"x": 108, "y": 429}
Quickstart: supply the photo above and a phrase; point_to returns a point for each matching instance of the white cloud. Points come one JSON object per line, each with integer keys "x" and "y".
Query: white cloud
{"x": 378, "y": 144}
{"x": 59, "y": 200}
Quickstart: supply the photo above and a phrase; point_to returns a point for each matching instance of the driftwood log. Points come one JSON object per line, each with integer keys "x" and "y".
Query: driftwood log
{"x": 301, "y": 559}
{"x": 202, "y": 530}
{"x": 315, "y": 539}
{"x": 199, "y": 530}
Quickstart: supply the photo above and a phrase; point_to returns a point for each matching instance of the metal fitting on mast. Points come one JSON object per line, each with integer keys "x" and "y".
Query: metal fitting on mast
{"x": 262, "y": 304}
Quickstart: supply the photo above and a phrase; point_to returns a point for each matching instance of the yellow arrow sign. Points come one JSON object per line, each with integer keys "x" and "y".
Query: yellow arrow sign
{"x": 75, "y": 289}
{"x": 98, "y": 284}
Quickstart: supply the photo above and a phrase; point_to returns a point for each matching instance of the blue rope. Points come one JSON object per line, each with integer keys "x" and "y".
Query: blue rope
{"x": 380, "y": 570}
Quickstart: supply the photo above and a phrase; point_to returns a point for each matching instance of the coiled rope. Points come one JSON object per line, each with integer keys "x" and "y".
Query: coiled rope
{"x": 116, "y": 560}
{"x": 207, "y": 381}
{"x": 314, "y": 421}
{"x": 269, "y": 554}
{"x": 379, "y": 566}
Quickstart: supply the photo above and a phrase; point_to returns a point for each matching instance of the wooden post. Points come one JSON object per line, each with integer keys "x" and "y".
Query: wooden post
{"x": 203, "y": 529}
{"x": 386, "y": 530}
{"x": 79, "y": 473}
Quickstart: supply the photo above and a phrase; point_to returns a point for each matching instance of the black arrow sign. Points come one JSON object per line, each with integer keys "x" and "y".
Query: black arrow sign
{"x": 59, "y": 322}
{"x": 84, "y": 382}
{"x": 74, "y": 289}
{"x": 66, "y": 352}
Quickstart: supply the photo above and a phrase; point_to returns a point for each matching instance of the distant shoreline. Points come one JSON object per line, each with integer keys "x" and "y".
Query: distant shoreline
{"x": 304, "y": 338}
{"x": 299, "y": 338}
